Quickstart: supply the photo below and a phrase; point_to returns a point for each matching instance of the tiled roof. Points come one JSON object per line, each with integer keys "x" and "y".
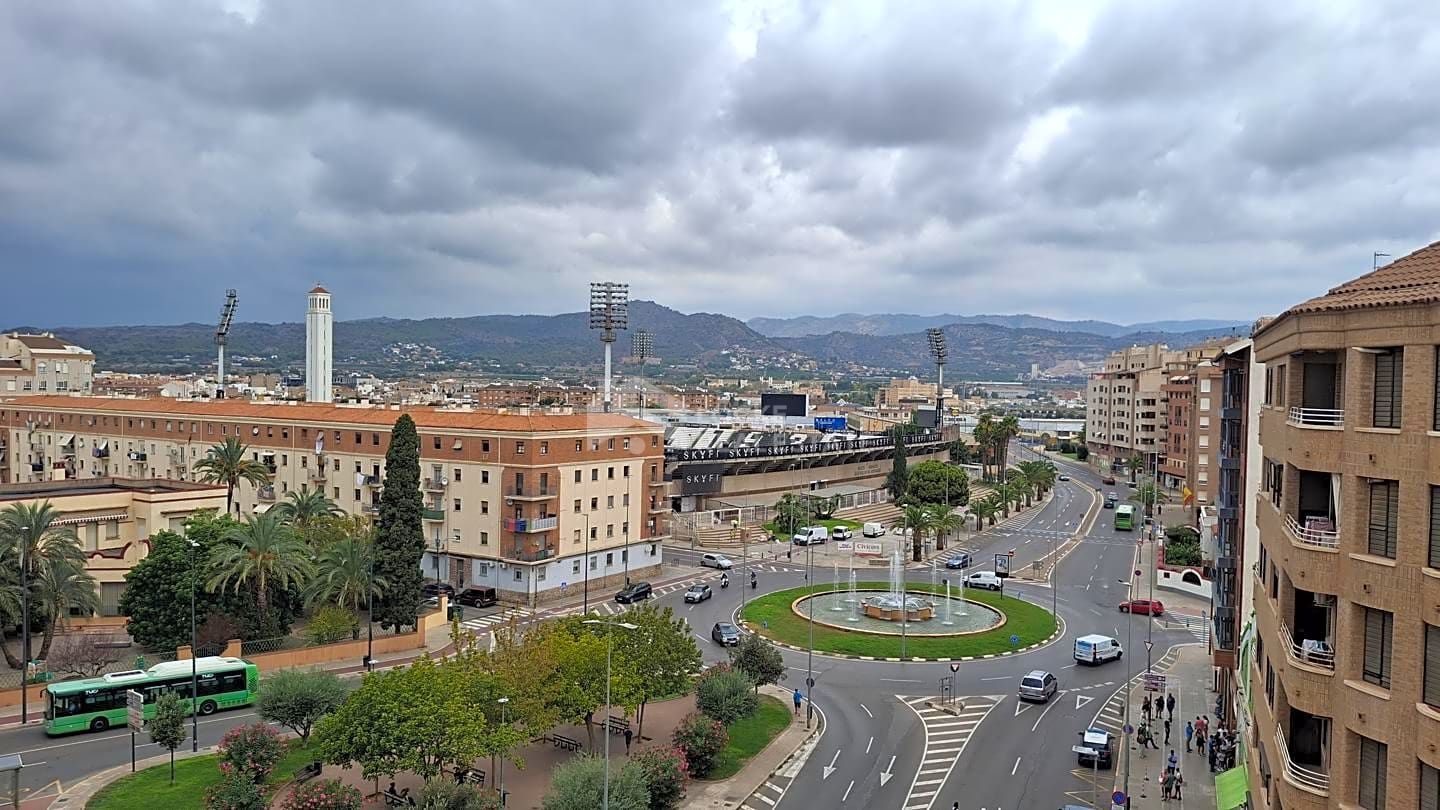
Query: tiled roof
{"x": 319, "y": 289}
{"x": 1409, "y": 280}
{"x": 318, "y": 412}
{"x": 40, "y": 341}
{"x": 10, "y": 364}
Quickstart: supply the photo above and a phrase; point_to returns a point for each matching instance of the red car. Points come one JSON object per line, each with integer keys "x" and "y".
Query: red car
{"x": 1150, "y": 607}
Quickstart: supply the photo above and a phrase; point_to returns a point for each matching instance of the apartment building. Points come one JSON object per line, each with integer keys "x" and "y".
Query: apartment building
{"x": 530, "y": 503}
{"x": 1346, "y": 673}
{"x": 1124, "y": 410}
{"x": 113, "y": 519}
{"x": 907, "y": 393}
{"x": 43, "y": 363}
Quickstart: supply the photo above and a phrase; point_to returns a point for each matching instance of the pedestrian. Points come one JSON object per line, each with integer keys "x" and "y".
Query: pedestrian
{"x": 1173, "y": 760}
{"x": 1167, "y": 785}
{"x": 1179, "y": 783}
{"x": 1189, "y": 734}
{"x": 1170, "y": 704}
{"x": 797, "y": 698}
{"x": 629, "y": 735}
{"x": 1167, "y": 731}
{"x": 790, "y": 554}
{"x": 1214, "y": 755}
{"x": 1145, "y": 708}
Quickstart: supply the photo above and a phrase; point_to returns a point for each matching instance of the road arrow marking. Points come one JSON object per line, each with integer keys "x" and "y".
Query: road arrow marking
{"x": 829, "y": 769}
{"x": 886, "y": 776}
{"x": 1081, "y": 700}
{"x": 1021, "y": 707}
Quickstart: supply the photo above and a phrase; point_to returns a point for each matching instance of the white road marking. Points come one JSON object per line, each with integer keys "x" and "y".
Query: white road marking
{"x": 1016, "y": 767}
{"x": 848, "y": 788}
{"x": 868, "y": 744}
{"x": 886, "y": 775}
{"x": 867, "y": 711}
{"x": 829, "y": 769}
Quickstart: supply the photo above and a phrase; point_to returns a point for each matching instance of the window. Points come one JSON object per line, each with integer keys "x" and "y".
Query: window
{"x": 594, "y": 473}
{"x": 357, "y": 494}
{"x": 626, "y": 501}
{"x": 609, "y": 501}
{"x": 484, "y": 445}
{"x": 593, "y": 562}
{"x": 358, "y": 440}
{"x": 575, "y": 565}
{"x": 579, "y": 445}
{"x": 577, "y": 506}
{"x": 517, "y": 574}
{"x": 609, "y": 559}
{"x": 544, "y": 448}
{"x": 577, "y": 476}
{"x": 484, "y": 476}
{"x": 1389, "y": 374}
{"x": 1204, "y": 439}
{"x": 626, "y": 444}
{"x": 1384, "y": 510}
{"x": 610, "y": 530}
{"x": 594, "y": 530}
{"x": 1432, "y": 666}
{"x": 1204, "y": 403}
{"x": 610, "y": 473}
{"x": 1434, "y": 556}
{"x": 456, "y": 476}
{"x": 375, "y": 439}
{"x": 457, "y": 504}
{"x": 625, "y": 471}
{"x": 519, "y": 448}
{"x": 610, "y": 445}
{"x": 594, "y": 504}
{"x": 576, "y": 537}
{"x": 1374, "y": 758}
{"x": 1379, "y": 636}
{"x": 484, "y": 538}
{"x": 1429, "y": 788}
{"x": 484, "y": 507}
{"x": 625, "y": 528}
{"x": 654, "y": 441}
{"x": 594, "y": 445}
{"x": 1435, "y": 405}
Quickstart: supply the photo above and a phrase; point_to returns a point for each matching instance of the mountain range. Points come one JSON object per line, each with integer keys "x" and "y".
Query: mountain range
{"x": 900, "y": 324}
{"x": 565, "y": 342}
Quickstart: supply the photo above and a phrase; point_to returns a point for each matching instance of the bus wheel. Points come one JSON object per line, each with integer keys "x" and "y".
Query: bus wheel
{"x": 207, "y": 708}
{"x": 99, "y": 724}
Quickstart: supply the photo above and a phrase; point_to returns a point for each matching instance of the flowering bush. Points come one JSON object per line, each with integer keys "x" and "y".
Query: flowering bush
{"x": 323, "y": 794}
{"x": 234, "y": 792}
{"x": 251, "y": 751}
{"x": 665, "y": 773}
{"x": 700, "y": 739}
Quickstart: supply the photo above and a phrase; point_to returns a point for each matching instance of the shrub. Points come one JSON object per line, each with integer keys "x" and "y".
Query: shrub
{"x": 234, "y": 792}
{"x": 330, "y": 624}
{"x": 323, "y": 794}
{"x": 700, "y": 739}
{"x": 441, "y": 794}
{"x": 578, "y": 785}
{"x": 727, "y": 695}
{"x": 665, "y": 773}
{"x": 215, "y": 633}
{"x": 1082, "y": 452}
{"x": 297, "y": 699}
{"x": 251, "y": 751}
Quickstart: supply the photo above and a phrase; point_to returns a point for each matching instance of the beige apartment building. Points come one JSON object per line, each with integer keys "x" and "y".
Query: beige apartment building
{"x": 43, "y": 364}
{"x": 113, "y": 519}
{"x": 531, "y": 503}
{"x": 1346, "y": 673}
{"x": 905, "y": 394}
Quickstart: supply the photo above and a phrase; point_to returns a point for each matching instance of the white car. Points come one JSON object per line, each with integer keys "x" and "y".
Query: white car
{"x": 873, "y": 530}
{"x": 987, "y": 580}
{"x": 719, "y": 561}
{"x": 841, "y": 533}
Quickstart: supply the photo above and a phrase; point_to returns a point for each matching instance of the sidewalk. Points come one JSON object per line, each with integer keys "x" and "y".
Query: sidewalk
{"x": 1189, "y": 680}
{"x": 732, "y": 792}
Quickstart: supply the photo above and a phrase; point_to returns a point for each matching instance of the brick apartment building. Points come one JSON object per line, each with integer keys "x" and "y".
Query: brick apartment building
{"x": 513, "y": 500}
{"x": 1346, "y": 670}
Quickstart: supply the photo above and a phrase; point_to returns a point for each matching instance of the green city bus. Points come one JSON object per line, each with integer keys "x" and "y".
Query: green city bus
{"x": 95, "y": 704}
{"x": 1124, "y": 517}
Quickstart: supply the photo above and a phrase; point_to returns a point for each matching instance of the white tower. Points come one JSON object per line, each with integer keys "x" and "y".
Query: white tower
{"x": 319, "y": 349}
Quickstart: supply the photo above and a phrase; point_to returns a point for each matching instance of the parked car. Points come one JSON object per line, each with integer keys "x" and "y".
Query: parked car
{"x": 987, "y": 580}
{"x": 1101, "y": 745}
{"x": 478, "y": 597}
{"x": 698, "y": 593}
{"x": 1039, "y": 686}
{"x": 719, "y": 561}
{"x": 725, "y": 633}
{"x": 1108, "y": 480}
{"x": 634, "y": 592}
{"x": 1149, "y": 607}
{"x": 841, "y": 533}
{"x": 437, "y": 588}
{"x": 959, "y": 561}
{"x": 873, "y": 530}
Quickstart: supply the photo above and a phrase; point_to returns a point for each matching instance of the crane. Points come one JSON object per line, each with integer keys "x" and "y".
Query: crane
{"x": 222, "y": 336}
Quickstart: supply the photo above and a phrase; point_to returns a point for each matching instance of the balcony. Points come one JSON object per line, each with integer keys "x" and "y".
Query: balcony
{"x": 370, "y": 508}
{"x": 317, "y": 474}
{"x": 534, "y": 492}
{"x": 531, "y": 555}
{"x": 265, "y": 493}
{"x": 436, "y": 484}
{"x": 1311, "y": 653}
{"x": 372, "y": 481}
{"x": 1309, "y": 780}
{"x": 135, "y": 456}
{"x": 1314, "y": 534}
{"x": 1319, "y": 418}
{"x": 531, "y": 525}
{"x": 432, "y": 514}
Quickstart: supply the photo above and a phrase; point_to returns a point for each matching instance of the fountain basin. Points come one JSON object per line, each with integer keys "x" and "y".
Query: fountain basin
{"x": 967, "y": 616}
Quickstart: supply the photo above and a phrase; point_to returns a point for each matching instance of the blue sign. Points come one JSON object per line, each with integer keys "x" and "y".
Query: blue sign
{"x": 830, "y": 423}
{"x": 1118, "y": 797}
{"x": 1014, "y": 640}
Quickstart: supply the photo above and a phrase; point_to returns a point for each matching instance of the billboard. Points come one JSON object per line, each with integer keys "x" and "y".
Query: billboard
{"x": 926, "y": 417}
{"x": 700, "y": 479}
{"x": 775, "y": 451}
{"x": 830, "y": 424}
{"x": 783, "y": 404}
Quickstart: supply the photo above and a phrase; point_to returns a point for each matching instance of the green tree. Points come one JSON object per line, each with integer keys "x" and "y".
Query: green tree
{"x": 167, "y": 729}
{"x": 661, "y": 654}
{"x": 917, "y": 519}
{"x": 263, "y": 552}
{"x": 580, "y": 784}
{"x": 726, "y": 694}
{"x": 792, "y": 511}
{"x": 253, "y": 750}
{"x": 959, "y": 452}
{"x": 943, "y": 521}
{"x": 701, "y": 739}
{"x": 1149, "y": 496}
{"x": 578, "y": 651}
{"x": 1009, "y": 428}
{"x": 1182, "y": 546}
{"x": 1134, "y": 464}
{"x": 54, "y": 564}
{"x": 399, "y": 535}
{"x": 932, "y": 481}
{"x": 1008, "y": 495}
{"x": 1020, "y": 481}
{"x": 344, "y": 573}
{"x": 297, "y": 699}
{"x": 235, "y": 791}
{"x": 665, "y": 775}
{"x": 897, "y": 481}
{"x": 302, "y": 508}
{"x": 984, "y": 509}
{"x": 225, "y": 463}
{"x": 758, "y": 659}
{"x": 984, "y": 434}
{"x": 1082, "y": 452}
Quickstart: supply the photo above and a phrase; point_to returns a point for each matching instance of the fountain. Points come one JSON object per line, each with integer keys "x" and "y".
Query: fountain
{"x": 895, "y": 604}
{"x": 853, "y": 601}
{"x": 947, "y": 622}
{"x": 835, "y": 585}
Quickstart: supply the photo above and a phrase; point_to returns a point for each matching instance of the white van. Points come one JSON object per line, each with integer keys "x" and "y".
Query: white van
{"x": 873, "y": 530}
{"x": 1097, "y": 649}
{"x": 809, "y": 535}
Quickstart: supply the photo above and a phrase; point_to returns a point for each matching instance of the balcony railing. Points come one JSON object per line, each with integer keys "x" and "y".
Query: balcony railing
{"x": 265, "y": 494}
{"x": 437, "y": 484}
{"x": 1317, "y": 417}
{"x": 532, "y": 491}
{"x": 370, "y": 508}
{"x": 1308, "y": 652}
{"x": 535, "y": 555}
{"x": 527, "y": 525}
{"x": 372, "y": 480}
{"x": 317, "y": 474}
{"x": 432, "y": 514}
{"x": 1320, "y": 538}
{"x": 1307, "y": 779}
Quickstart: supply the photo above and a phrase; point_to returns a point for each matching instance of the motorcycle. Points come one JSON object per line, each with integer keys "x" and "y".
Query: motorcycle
{"x": 724, "y": 583}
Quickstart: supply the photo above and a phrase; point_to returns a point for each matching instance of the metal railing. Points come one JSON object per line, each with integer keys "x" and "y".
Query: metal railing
{"x": 532, "y": 491}
{"x": 317, "y": 474}
{"x": 436, "y": 484}
{"x": 432, "y": 514}
{"x": 542, "y": 524}
{"x": 265, "y": 494}
{"x": 1317, "y": 417}
{"x": 1307, "y": 779}
{"x": 1323, "y": 658}
{"x": 1311, "y": 537}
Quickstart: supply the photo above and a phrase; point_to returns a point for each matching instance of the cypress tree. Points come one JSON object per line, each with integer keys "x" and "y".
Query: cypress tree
{"x": 898, "y": 481}
{"x": 399, "y": 535}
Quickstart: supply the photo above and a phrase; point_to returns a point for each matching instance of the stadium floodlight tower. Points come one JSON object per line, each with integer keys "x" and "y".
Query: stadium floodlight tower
{"x": 940, "y": 353}
{"x": 642, "y": 348}
{"x": 609, "y": 309}
{"x": 222, "y": 336}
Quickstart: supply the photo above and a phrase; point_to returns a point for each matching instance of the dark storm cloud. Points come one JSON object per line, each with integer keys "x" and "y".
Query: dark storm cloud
{"x": 1066, "y": 157}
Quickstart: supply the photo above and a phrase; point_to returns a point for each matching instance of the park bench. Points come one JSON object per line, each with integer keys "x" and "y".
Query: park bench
{"x": 394, "y": 799}
{"x": 617, "y": 725}
{"x": 474, "y": 776}
{"x": 568, "y": 743}
{"x": 309, "y": 771}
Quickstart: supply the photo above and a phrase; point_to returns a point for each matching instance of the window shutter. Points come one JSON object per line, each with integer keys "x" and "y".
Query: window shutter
{"x": 1377, "y": 647}
{"x": 1373, "y": 757}
{"x": 1389, "y": 371}
{"x": 1432, "y": 666}
{"x": 1429, "y": 788}
{"x": 1384, "y": 512}
{"x": 1434, "y": 557}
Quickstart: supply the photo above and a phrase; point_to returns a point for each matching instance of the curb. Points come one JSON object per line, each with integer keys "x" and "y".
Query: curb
{"x": 813, "y": 734}
{"x": 83, "y": 791}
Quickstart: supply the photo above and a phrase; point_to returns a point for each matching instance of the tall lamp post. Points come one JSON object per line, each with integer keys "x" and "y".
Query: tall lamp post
{"x": 500, "y": 765}
{"x": 609, "y": 646}
{"x": 370, "y": 607}
{"x": 1128, "y": 582}
{"x": 940, "y": 353}
{"x": 810, "y": 647}
{"x": 585, "y": 608}
{"x": 642, "y": 348}
{"x": 609, "y": 310}
{"x": 194, "y": 662}
{"x": 23, "y": 541}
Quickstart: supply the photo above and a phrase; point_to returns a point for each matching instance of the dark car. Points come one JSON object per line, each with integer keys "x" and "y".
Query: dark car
{"x": 1108, "y": 480}
{"x": 725, "y": 633}
{"x": 634, "y": 592}
{"x": 961, "y": 560}
{"x": 698, "y": 593}
{"x": 478, "y": 597}
{"x": 437, "y": 588}
{"x": 1099, "y": 747}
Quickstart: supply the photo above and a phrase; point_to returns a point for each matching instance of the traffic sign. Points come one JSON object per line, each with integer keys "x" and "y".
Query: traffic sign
{"x": 1014, "y": 639}
{"x": 1154, "y": 682}
{"x": 954, "y": 667}
{"x": 1118, "y": 798}
{"x": 1082, "y": 750}
{"x": 810, "y": 682}
{"x": 1129, "y": 729}
{"x": 1149, "y": 645}
{"x": 135, "y": 709}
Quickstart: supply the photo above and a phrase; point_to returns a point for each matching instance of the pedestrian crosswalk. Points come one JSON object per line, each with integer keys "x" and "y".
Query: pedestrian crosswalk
{"x": 769, "y": 794}
{"x": 1112, "y": 715}
{"x": 947, "y": 732}
{"x": 505, "y": 616}
{"x": 1197, "y": 626}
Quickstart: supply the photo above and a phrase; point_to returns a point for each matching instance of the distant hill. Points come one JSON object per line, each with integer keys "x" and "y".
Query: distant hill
{"x": 900, "y": 324}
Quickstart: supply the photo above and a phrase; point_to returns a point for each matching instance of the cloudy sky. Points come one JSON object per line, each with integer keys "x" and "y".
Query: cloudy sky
{"x": 1127, "y": 160}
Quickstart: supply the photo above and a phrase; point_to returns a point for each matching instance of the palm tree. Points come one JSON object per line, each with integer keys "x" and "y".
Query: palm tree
{"x": 943, "y": 521}
{"x": 917, "y": 519}
{"x": 984, "y": 442}
{"x": 54, "y": 567}
{"x": 264, "y": 551}
{"x": 304, "y": 506}
{"x": 344, "y": 573}
{"x": 226, "y": 464}
{"x": 1007, "y": 494}
{"x": 1134, "y": 464}
{"x": 1148, "y": 495}
{"x": 984, "y": 509}
{"x": 1024, "y": 486}
{"x": 1040, "y": 474}
{"x": 1009, "y": 428}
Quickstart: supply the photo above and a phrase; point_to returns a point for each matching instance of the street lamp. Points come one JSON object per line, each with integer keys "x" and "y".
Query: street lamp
{"x": 609, "y": 645}
{"x": 370, "y": 607}
{"x": 22, "y": 539}
{"x": 810, "y": 648}
{"x": 609, "y": 310}
{"x": 194, "y": 663}
{"x": 586, "y": 607}
{"x": 1129, "y": 623}
{"x": 642, "y": 348}
{"x": 940, "y": 353}
{"x": 500, "y": 766}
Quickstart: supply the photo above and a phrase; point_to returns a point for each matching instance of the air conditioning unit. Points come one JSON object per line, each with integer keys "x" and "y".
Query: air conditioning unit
{"x": 444, "y": 482}
{"x": 509, "y": 501}
{"x": 1324, "y": 600}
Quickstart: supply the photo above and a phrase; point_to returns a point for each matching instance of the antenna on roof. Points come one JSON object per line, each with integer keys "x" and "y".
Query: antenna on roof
{"x": 1375, "y": 260}
{"x": 222, "y": 336}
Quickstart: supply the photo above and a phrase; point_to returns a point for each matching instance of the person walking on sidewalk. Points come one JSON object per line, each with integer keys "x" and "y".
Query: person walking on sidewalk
{"x": 1170, "y": 705}
{"x": 797, "y": 697}
{"x": 1179, "y": 783}
{"x": 1145, "y": 708}
{"x": 1173, "y": 761}
{"x": 629, "y": 735}
{"x": 1167, "y": 731}
{"x": 1189, "y": 734}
